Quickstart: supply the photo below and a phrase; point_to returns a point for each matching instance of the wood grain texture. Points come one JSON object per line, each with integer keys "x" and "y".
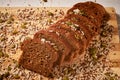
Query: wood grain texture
{"x": 114, "y": 55}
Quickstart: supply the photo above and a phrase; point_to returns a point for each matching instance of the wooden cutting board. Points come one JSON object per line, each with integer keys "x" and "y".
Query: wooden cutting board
{"x": 114, "y": 55}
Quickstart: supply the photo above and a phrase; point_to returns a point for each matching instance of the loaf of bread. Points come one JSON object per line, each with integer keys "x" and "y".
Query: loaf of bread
{"x": 65, "y": 41}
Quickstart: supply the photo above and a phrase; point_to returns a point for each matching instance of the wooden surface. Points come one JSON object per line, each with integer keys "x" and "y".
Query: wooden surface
{"x": 114, "y": 55}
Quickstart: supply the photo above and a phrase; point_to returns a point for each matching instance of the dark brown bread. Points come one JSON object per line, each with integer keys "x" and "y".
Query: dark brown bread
{"x": 76, "y": 31}
{"x": 37, "y": 55}
{"x": 80, "y": 29}
{"x": 64, "y": 42}
{"x": 71, "y": 38}
{"x": 84, "y": 22}
{"x": 96, "y": 9}
{"x": 85, "y": 12}
{"x": 64, "y": 48}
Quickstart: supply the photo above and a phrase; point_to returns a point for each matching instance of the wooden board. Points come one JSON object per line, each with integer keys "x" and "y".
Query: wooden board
{"x": 114, "y": 55}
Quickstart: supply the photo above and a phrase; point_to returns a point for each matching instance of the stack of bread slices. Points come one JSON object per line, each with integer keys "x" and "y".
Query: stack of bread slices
{"x": 64, "y": 42}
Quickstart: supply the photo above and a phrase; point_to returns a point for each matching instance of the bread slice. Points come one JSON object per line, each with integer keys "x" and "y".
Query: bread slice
{"x": 75, "y": 34}
{"x": 85, "y": 23}
{"x": 97, "y": 10}
{"x": 70, "y": 36}
{"x": 93, "y": 7}
{"x": 85, "y": 12}
{"x": 63, "y": 47}
{"x": 38, "y": 56}
{"x": 80, "y": 29}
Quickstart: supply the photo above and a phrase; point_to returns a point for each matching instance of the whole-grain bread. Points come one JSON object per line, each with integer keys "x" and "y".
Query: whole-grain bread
{"x": 37, "y": 55}
{"x": 95, "y": 8}
{"x": 80, "y": 30}
{"x": 83, "y": 11}
{"x": 84, "y": 22}
{"x": 71, "y": 37}
{"x": 62, "y": 45}
{"x": 64, "y": 42}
